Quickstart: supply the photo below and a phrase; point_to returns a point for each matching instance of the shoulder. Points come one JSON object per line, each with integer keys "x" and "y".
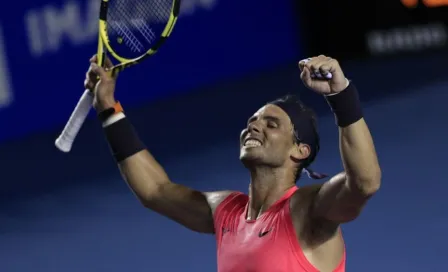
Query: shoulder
{"x": 304, "y": 197}
{"x": 301, "y": 206}
{"x": 223, "y": 199}
{"x": 231, "y": 205}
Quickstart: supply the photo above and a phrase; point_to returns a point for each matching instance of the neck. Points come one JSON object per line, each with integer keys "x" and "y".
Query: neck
{"x": 266, "y": 187}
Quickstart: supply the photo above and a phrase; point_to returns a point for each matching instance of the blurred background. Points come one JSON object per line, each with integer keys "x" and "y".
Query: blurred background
{"x": 72, "y": 212}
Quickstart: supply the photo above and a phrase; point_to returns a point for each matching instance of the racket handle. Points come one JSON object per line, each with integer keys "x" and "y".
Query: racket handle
{"x": 65, "y": 140}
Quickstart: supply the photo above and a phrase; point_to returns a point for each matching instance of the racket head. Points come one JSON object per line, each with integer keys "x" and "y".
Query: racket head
{"x": 132, "y": 30}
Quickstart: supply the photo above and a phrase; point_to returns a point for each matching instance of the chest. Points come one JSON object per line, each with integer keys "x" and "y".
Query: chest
{"x": 261, "y": 245}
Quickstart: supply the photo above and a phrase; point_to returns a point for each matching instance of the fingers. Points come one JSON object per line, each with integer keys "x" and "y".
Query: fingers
{"x": 306, "y": 76}
{"x": 89, "y": 83}
{"x": 91, "y": 77}
{"x": 107, "y": 62}
{"x": 93, "y": 59}
{"x": 94, "y": 74}
{"x": 99, "y": 71}
{"x": 320, "y": 67}
{"x": 302, "y": 63}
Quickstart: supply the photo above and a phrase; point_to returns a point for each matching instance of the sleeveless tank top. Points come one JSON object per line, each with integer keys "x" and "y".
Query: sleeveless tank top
{"x": 267, "y": 244}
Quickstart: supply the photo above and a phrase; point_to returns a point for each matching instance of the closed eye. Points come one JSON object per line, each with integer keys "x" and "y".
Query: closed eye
{"x": 271, "y": 121}
{"x": 272, "y": 124}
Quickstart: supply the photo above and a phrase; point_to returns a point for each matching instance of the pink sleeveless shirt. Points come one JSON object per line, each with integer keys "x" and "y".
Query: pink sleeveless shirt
{"x": 267, "y": 244}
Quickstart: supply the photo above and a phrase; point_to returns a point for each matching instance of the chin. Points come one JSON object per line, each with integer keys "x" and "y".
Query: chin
{"x": 250, "y": 158}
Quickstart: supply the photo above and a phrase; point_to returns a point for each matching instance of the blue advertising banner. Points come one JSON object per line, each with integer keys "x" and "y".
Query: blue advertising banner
{"x": 45, "y": 46}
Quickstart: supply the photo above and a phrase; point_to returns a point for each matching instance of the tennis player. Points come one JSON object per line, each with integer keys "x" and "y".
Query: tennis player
{"x": 277, "y": 226}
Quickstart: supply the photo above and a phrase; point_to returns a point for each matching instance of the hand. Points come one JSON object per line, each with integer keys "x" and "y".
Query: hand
{"x": 314, "y": 73}
{"x": 101, "y": 83}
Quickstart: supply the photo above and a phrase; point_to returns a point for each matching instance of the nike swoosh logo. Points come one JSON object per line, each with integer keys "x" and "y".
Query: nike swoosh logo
{"x": 263, "y": 233}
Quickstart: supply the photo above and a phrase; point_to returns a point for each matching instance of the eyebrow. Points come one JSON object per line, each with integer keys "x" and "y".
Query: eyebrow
{"x": 266, "y": 117}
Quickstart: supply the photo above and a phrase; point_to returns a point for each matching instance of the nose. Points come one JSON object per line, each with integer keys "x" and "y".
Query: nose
{"x": 254, "y": 127}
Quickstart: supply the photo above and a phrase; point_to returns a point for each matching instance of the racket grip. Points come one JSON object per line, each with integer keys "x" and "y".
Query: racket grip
{"x": 65, "y": 140}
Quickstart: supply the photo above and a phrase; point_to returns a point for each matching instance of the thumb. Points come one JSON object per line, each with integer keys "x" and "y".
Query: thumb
{"x": 99, "y": 71}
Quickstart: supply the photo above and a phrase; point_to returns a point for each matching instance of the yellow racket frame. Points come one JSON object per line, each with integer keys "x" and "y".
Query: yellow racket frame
{"x": 103, "y": 39}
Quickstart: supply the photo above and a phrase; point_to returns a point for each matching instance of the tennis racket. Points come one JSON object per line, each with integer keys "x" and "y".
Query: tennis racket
{"x": 129, "y": 31}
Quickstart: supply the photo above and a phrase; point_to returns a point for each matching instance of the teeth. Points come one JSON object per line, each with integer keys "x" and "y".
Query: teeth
{"x": 252, "y": 143}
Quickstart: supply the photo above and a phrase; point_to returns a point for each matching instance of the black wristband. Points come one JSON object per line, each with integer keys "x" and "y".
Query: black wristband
{"x": 346, "y": 106}
{"x": 105, "y": 114}
{"x": 123, "y": 139}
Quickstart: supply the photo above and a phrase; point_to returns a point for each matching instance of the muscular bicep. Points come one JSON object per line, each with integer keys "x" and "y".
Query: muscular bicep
{"x": 337, "y": 201}
{"x": 190, "y": 208}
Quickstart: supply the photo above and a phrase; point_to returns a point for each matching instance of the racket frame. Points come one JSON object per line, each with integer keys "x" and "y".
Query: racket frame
{"x": 125, "y": 62}
{"x": 65, "y": 140}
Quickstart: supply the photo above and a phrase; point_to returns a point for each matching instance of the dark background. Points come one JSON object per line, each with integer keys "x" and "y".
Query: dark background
{"x": 72, "y": 212}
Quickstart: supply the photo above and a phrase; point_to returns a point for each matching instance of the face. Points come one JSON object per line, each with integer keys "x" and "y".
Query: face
{"x": 268, "y": 138}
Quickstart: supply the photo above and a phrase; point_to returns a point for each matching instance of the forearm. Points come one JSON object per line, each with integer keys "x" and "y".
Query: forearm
{"x": 150, "y": 183}
{"x": 356, "y": 144}
{"x": 359, "y": 157}
{"x": 144, "y": 175}
{"x": 141, "y": 171}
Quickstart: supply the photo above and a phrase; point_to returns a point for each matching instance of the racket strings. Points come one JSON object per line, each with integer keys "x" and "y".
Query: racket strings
{"x": 137, "y": 24}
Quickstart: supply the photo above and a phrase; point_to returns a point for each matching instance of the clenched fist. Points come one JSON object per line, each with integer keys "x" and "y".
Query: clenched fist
{"x": 323, "y": 75}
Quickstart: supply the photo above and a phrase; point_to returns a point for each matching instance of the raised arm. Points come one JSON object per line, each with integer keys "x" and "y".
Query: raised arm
{"x": 342, "y": 198}
{"x": 153, "y": 188}
{"x": 144, "y": 175}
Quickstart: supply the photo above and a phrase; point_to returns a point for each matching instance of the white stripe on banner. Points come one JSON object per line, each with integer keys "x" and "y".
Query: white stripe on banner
{"x": 5, "y": 86}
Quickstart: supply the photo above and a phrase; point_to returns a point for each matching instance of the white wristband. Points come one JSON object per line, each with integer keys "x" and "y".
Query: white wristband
{"x": 114, "y": 118}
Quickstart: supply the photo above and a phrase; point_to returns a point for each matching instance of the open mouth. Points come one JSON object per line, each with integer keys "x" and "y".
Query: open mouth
{"x": 252, "y": 143}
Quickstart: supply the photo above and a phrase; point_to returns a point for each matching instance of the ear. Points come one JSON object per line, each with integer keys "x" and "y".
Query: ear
{"x": 300, "y": 152}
